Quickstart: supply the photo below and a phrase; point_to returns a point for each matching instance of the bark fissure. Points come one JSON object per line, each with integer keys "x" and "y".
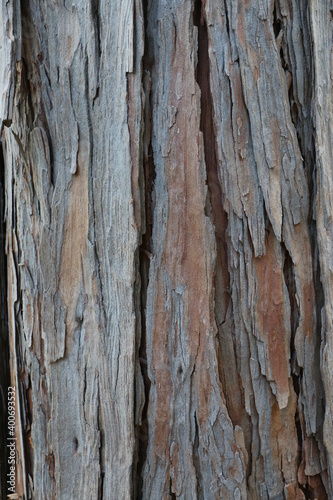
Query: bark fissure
{"x": 145, "y": 255}
{"x": 4, "y": 335}
{"x": 300, "y": 87}
{"x": 295, "y": 370}
{"x": 101, "y": 457}
{"x": 289, "y": 277}
{"x": 215, "y": 197}
{"x": 96, "y": 13}
{"x": 196, "y": 458}
{"x": 219, "y": 217}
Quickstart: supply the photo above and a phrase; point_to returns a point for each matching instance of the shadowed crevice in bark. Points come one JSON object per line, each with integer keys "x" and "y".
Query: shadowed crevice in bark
{"x": 289, "y": 277}
{"x": 228, "y": 375}
{"x": 276, "y": 22}
{"x": 171, "y": 495}
{"x": 96, "y": 13}
{"x": 145, "y": 256}
{"x": 196, "y": 459}
{"x": 296, "y": 371}
{"x": 314, "y": 484}
{"x": 4, "y": 335}
{"x": 225, "y": 345}
{"x": 292, "y": 39}
{"x": 101, "y": 456}
{"x": 216, "y": 211}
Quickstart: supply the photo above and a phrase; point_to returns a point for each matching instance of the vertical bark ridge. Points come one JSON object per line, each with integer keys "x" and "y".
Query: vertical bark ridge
{"x": 191, "y": 434}
{"x": 238, "y": 57}
{"x": 75, "y": 295}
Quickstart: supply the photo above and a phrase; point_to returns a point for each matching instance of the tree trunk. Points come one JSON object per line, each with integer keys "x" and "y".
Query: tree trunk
{"x": 168, "y": 200}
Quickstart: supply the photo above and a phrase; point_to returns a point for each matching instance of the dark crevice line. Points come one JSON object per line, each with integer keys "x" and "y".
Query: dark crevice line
{"x": 171, "y": 494}
{"x": 227, "y": 19}
{"x": 149, "y": 174}
{"x": 303, "y": 124}
{"x": 196, "y": 458}
{"x": 219, "y": 218}
{"x": 319, "y": 306}
{"x": 311, "y": 159}
{"x": 97, "y": 20}
{"x": 95, "y": 7}
{"x": 296, "y": 371}
{"x": 4, "y": 334}
{"x": 101, "y": 451}
{"x": 217, "y": 213}
{"x": 276, "y": 21}
{"x": 289, "y": 278}
{"x": 319, "y": 300}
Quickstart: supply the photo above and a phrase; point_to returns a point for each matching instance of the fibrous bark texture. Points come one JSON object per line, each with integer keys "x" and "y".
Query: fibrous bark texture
{"x": 166, "y": 248}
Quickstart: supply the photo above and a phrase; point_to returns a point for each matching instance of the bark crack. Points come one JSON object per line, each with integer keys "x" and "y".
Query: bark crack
{"x": 98, "y": 27}
{"x": 101, "y": 450}
{"x": 4, "y": 334}
{"x": 216, "y": 211}
{"x": 145, "y": 253}
{"x": 295, "y": 370}
{"x": 300, "y": 105}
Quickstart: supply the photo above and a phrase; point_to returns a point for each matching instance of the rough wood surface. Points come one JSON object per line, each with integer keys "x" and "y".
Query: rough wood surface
{"x": 168, "y": 184}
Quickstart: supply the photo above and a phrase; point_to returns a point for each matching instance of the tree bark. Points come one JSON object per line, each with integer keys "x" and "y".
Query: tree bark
{"x": 168, "y": 197}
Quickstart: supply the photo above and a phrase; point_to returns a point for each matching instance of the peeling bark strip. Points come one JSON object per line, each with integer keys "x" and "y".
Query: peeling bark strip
{"x": 168, "y": 200}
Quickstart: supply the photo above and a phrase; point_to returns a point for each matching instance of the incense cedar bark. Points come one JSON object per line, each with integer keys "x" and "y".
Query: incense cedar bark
{"x": 166, "y": 242}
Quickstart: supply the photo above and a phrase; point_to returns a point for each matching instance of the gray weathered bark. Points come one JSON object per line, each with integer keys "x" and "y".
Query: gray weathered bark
{"x": 168, "y": 213}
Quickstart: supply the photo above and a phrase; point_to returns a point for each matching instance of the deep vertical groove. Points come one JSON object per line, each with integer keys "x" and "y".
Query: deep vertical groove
{"x": 97, "y": 19}
{"x": 296, "y": 371}
{"x": 171, "y": 495}
{"x": 218, "y": 215}
{"x": 217, "y": 212}
{"x": 301, "y": 117}
{"x": 223, "y": 305}
{"x": 144, "y": 256}
{"x": 101, "y": 453}
{"x": 196, "y": 459}
{"x": 4, "y": 333}
{"x": 311, "y": 160}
